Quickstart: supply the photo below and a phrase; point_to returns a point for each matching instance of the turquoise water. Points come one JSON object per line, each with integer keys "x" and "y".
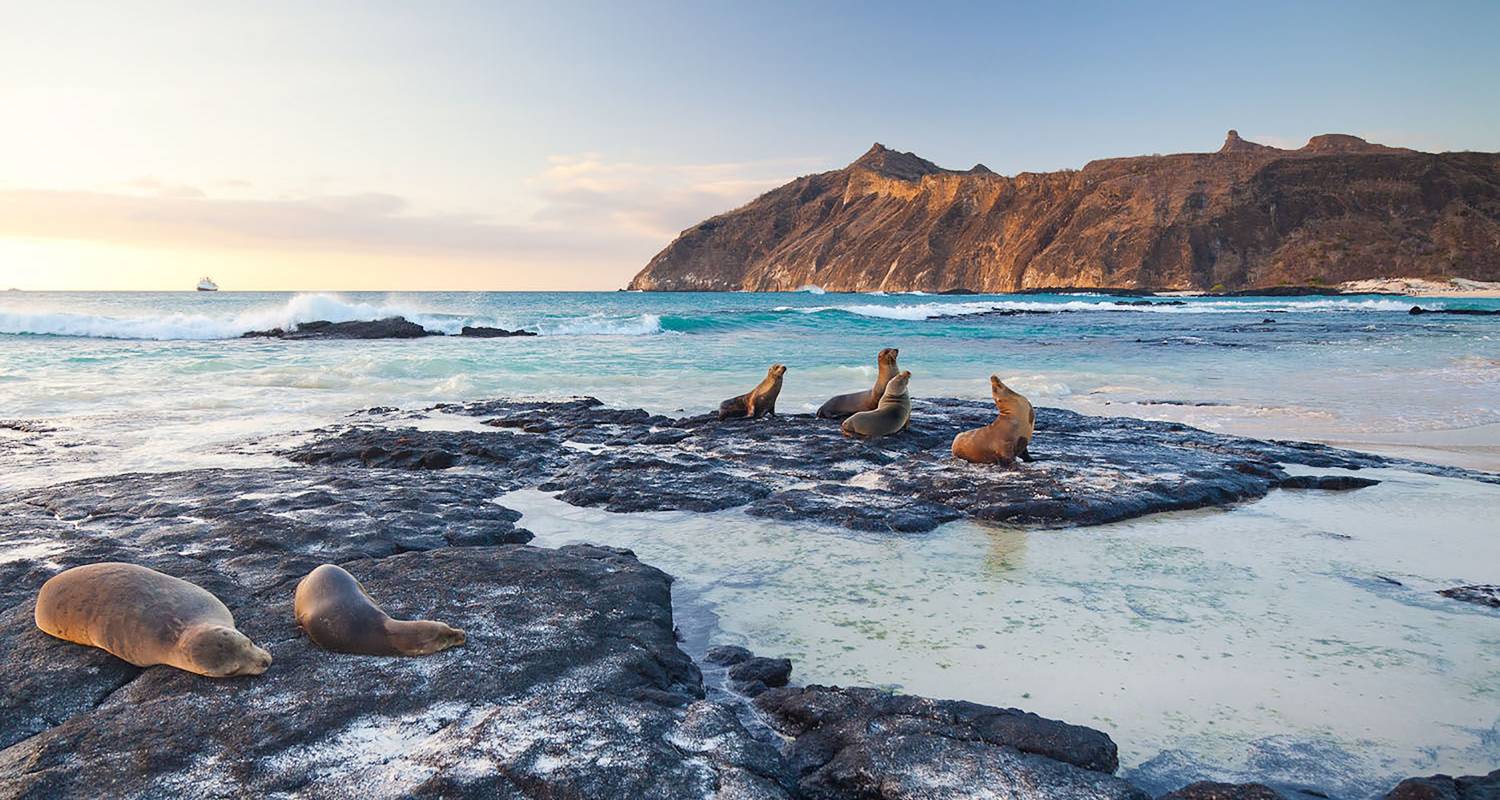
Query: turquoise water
{"x": 1253, "y": 642}
{"x": 160, "y": 381}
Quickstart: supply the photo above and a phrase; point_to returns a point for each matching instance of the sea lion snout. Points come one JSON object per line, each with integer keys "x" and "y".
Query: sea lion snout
{"x": 221, "y": 652}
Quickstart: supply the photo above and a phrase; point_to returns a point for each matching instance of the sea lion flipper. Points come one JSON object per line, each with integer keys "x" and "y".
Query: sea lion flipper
{"x": 1023, "y": 450}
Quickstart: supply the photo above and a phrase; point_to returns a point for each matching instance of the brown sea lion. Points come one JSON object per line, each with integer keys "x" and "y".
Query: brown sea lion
{"x": 758, "y": 401}
{"x": 147, "y": 618}
{"x": 845, "y": 404}
{"x": 1005, "y": 439}
{"x": 891, "y": 416}
{"x": 334, "y": 611}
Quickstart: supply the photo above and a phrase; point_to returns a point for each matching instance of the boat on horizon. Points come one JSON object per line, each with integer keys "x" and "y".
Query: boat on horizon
{"x": 206, "y": 284}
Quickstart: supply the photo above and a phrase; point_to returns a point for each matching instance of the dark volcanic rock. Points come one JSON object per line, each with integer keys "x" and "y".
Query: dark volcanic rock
{"x": 483, "y": 332}
{"x": 726, "y": 654}
{"x": 1248, "y": 217}
{"x": 771, "y": 672}
{"x": 794, "y": 467}
{"x": 522, "y": 457}
{"x": 1443, "y": 787}
{"x": 570, "y": 683}
{"x": 867, "y": 743}
{"x": 1484, "y": 595}
{"x": 1473, "y": 312}
{"x": 390, "y": 328}
{"x": 1208, "y": 790}
{"x": 1330, "y": 483}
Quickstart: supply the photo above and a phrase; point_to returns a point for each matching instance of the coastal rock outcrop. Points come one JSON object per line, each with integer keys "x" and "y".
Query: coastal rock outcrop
{"x": 868, "y": 743}
{"x": 1248, "y": 216}
{"x": 483, "y": 332}
{"x": 570, "y": 683}
{"x": 389, "y": 328}
{"x": 1445, "y": 787}
{"x": 1089, "y": 470}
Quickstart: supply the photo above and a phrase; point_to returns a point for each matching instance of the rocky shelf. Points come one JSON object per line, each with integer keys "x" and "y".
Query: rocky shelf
{"x": 1089, "y": 470}
{"x": 571, "y": 682}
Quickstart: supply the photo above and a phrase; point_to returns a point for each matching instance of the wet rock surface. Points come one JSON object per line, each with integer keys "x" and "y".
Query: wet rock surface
{"x": 1089, "y": 470}
{"x": 1210, "y": 790}
{"x": 868, "y": 743}
{"x": 1444, "y": 787}
{"x": 484, "y": 332}
{"x": 1482, "y": 594}
{"x": 570, "y": 683}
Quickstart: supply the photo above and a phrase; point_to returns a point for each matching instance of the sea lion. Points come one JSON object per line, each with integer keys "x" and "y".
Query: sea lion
{"x": 845, "y": 404}
{"x": 891, "y": 416}
{"x": 146, "y": 618}
{"x": 1005, "y": 439}
{"x": 758, "y": 401}
{"x": 334, "y": 611}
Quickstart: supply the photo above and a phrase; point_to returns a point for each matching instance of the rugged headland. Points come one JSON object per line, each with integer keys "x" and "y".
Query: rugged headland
{"x": 1248, "y": 216}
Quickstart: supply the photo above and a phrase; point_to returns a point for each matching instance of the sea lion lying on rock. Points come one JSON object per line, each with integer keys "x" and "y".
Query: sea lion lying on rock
{"x": 147, "y": 618}
{"x": 758, "y": 401}
{"x": 845, "y": 404}
{"x": 334, "y": 611}
{"x": 1005, "y": 439}
{"x": 891, "y": 416}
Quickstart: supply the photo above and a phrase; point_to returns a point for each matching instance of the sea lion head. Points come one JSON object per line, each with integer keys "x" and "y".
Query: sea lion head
{"x": 219, "y": 651}
{"x": 425, "y": 637}
{"x": 887, "y": 357}
{"x": 898, "y": 384}
{"x": 776, "y": 371}
{"x": 998, "y": 390}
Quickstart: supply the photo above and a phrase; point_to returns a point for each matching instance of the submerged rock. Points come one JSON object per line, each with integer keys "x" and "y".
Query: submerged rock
{"x": 1209, "y": 790}
{"x": 1089, "y": 470}
{"x": 1484, "y": 594}
{"x": 867, "y": 743}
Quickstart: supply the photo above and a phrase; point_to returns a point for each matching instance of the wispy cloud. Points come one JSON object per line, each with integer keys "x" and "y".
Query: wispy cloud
{"x": 589, "y": 208}
{"x": 650, "y": 200}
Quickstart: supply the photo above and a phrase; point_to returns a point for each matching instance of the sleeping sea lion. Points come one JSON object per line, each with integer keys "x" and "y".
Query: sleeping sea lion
{"x": 758, "y": 401}
{"x": 1005, "y": 439}
{"x": 891, "y": 416}
{"x": 146, "y": 618}
{"x": 334, "y": 611}
{"x": 845, "y": 404}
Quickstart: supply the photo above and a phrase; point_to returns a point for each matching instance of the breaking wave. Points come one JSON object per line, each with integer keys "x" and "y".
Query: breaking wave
{"x": 298, "y": 309}
{"x": 921, "y": 311}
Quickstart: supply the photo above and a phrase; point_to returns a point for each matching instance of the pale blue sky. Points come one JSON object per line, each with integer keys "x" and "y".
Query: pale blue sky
{"x": 525, "y": 145}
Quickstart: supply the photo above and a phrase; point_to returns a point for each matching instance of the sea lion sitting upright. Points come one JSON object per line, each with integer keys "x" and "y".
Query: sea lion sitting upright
{"x": 891, "y": 416}
{"x": 758, "y": 401}
{"x": 1005, "y": 439}
{"x": 146, "y": 618}
{"x": 845, "y": 404}
{"x": 334, "y": 611}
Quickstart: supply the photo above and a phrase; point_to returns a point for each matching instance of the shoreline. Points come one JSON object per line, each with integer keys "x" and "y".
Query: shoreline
{"x": 460, "y": 489}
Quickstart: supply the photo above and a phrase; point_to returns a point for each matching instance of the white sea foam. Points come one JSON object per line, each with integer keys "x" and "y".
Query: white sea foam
{"x": 920, "y": 311}
{"x": 811, "y": 289}
{"x": 601, "y": 325}
{"x": 300, "y": 308}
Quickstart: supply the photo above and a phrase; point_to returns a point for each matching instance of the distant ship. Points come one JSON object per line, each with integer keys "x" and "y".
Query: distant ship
{"x": 207, "y": 284}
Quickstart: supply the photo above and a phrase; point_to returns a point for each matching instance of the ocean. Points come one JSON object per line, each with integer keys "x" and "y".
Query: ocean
{"x": 1298, "y": 637}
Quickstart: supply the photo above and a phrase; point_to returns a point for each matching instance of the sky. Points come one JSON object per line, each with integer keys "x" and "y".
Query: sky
{"x": 494, "y": 146}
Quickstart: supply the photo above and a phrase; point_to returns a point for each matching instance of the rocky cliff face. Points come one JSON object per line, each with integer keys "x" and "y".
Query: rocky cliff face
{"x": 1247, "y": 216}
